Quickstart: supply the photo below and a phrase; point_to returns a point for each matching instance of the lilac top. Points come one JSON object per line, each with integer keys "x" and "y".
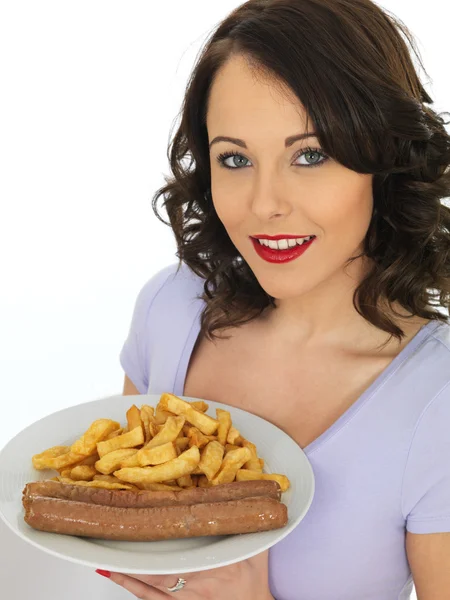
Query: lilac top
{"x": 383, "y": 468}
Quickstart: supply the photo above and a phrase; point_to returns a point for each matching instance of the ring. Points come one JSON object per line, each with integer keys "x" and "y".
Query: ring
{"x": 178, "y": 586}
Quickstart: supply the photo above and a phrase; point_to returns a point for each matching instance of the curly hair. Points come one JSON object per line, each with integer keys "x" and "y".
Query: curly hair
{"x": 349, "y": 66}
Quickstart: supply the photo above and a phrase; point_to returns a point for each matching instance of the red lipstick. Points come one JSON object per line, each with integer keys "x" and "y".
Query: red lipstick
{"x": 280, "y": 256}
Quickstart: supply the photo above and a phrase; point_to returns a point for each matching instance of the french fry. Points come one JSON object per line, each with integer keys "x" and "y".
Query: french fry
{"x": 112, "y": 461}
{"x": 41, "y": 460}
{"x": 112, "y": 479}
{"x": 114, "y": 433}
{"x": 44, "y": 461}
{"x": 229, "y": 447}
{"x": 182, "y": 443}
{"x": 133, "y": 417}
{"x": 126, "y": 440}
{"x": 154, "y": 429}
{"x": 185, "y": 481}
{"x": 97, "y": 484}
{"x": 168, "y": 433}
{"x": 245, "y": 475}
{"x": 161, "y": 416}
{"x": 157, "y": 455}
{"x": 224, "y": 418}
{"x": 82, "y": 473}
{"x": 233, "y": 436}
{"x": 98, "y": 430}
{"x": 129, "y": 461}
{"x": 200, "y": 405}
{"x": 89, "y": 460}
{"x": 232, "y": 462}
{"x": 211, "y": 459}
{"x": 205, "y": 423}
{"x": 173, "y": 469}
{"x": 146, "y": 417}
{"x": 253, "y": 464}
{"x": 197, "y": 438}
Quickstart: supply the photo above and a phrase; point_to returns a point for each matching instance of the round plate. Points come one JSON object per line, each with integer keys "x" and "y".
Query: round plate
{"x": 280, "y": 453}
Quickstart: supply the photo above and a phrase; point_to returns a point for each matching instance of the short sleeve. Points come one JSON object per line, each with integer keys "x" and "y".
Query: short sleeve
{"x": 134, "y": 356}
{"x": 426, "y": 483}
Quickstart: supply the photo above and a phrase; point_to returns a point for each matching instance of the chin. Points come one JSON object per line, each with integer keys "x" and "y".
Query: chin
{"x": 280, "y": 291}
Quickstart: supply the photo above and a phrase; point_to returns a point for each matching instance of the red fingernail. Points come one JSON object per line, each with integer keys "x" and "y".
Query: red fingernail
{"x": 102, "y": 572}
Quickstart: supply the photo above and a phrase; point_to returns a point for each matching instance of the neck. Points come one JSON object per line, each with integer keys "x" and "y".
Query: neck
{"x": 325, "y": 315}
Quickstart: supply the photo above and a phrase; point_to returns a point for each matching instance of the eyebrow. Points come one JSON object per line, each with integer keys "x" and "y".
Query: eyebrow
{"x": 287, "y": 142}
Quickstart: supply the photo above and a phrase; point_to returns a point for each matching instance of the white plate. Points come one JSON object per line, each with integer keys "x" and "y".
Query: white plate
{"x": 280, "y": 452}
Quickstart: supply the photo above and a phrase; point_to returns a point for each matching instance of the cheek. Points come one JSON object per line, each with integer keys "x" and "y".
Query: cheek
{"x": 347, "y": 216}
{"x": 230, "y": 213}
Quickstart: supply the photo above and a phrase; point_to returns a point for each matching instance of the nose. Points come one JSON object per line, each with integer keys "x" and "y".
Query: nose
{"x": 267, "y": 202}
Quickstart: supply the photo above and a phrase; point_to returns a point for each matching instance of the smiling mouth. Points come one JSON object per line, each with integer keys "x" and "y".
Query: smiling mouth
{"x": 281, "y": 255}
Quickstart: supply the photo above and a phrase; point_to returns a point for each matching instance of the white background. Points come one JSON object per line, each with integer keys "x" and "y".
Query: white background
{"x": 90, "y": 94}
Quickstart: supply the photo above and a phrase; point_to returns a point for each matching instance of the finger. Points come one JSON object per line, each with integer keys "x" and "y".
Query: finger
{"x": 138, "y": 588}
{"x": 160, "y": 581}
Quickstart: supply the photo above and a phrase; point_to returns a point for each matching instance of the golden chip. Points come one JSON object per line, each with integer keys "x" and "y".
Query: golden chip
{"x": 211, "y": 459}
{"x": 173, "y": 469}
{"x": 82, "y": 473}
{"x": 112, "y": 461}
{"x": 246, "y": 475}
{"x": 97, "y": 484}
{"x": 224, "y": 418}
{"x": 168, "y": 433}
{"x": 233, "y": 461}
{"x": 205, "y": 423}
{"x": 126, "y": 440}
{"x": 97, "y": 432}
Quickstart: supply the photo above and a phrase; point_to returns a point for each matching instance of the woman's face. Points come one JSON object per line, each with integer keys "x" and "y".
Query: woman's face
{"x": 270, "y": 189}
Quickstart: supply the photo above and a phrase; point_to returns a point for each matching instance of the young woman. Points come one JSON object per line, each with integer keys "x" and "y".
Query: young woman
{"x": 312, "y": 290}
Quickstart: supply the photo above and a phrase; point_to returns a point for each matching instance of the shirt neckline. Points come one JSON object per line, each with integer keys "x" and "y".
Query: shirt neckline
{"x": 424, "y": 332}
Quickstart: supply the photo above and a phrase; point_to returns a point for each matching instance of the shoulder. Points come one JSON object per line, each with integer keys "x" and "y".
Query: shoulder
{"x": 433, "y": 372}
{"x": 169, "y": 289}
{"x": 435, "y": 353}
{"x": 442, "y": 336}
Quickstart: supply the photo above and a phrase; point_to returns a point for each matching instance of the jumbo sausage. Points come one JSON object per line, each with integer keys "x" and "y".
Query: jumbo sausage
{"x": 130, "y": 499}
{"x": 245, "y": 515}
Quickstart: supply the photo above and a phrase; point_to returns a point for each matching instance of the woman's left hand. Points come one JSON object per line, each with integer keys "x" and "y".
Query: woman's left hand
{"x": 246, "y": 580}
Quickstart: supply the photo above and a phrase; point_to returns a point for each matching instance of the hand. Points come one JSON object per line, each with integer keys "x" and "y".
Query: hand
{"x": 246, "y": 580}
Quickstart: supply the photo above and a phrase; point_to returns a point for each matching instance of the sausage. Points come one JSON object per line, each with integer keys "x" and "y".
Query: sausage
{"x": 127, "y": 498}
{"x": 245, "y": 515}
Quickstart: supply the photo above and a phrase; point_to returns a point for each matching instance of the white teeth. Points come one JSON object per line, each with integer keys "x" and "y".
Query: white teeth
{"x": 284, "y": 244}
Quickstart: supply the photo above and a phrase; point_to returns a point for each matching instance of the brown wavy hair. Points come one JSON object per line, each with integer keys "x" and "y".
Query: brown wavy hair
{"x": 350, "y": 67}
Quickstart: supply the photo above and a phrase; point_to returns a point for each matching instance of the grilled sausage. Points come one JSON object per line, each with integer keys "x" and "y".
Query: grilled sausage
{"x": 245, "y": 515}
{"x": 130, "y": 499}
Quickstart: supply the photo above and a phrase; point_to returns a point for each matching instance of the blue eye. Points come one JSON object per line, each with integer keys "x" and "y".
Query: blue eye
{"x": 305, "y": 152}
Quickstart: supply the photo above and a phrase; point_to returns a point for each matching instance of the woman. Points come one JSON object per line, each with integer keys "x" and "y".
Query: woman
{"x": 306, "y": 119}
